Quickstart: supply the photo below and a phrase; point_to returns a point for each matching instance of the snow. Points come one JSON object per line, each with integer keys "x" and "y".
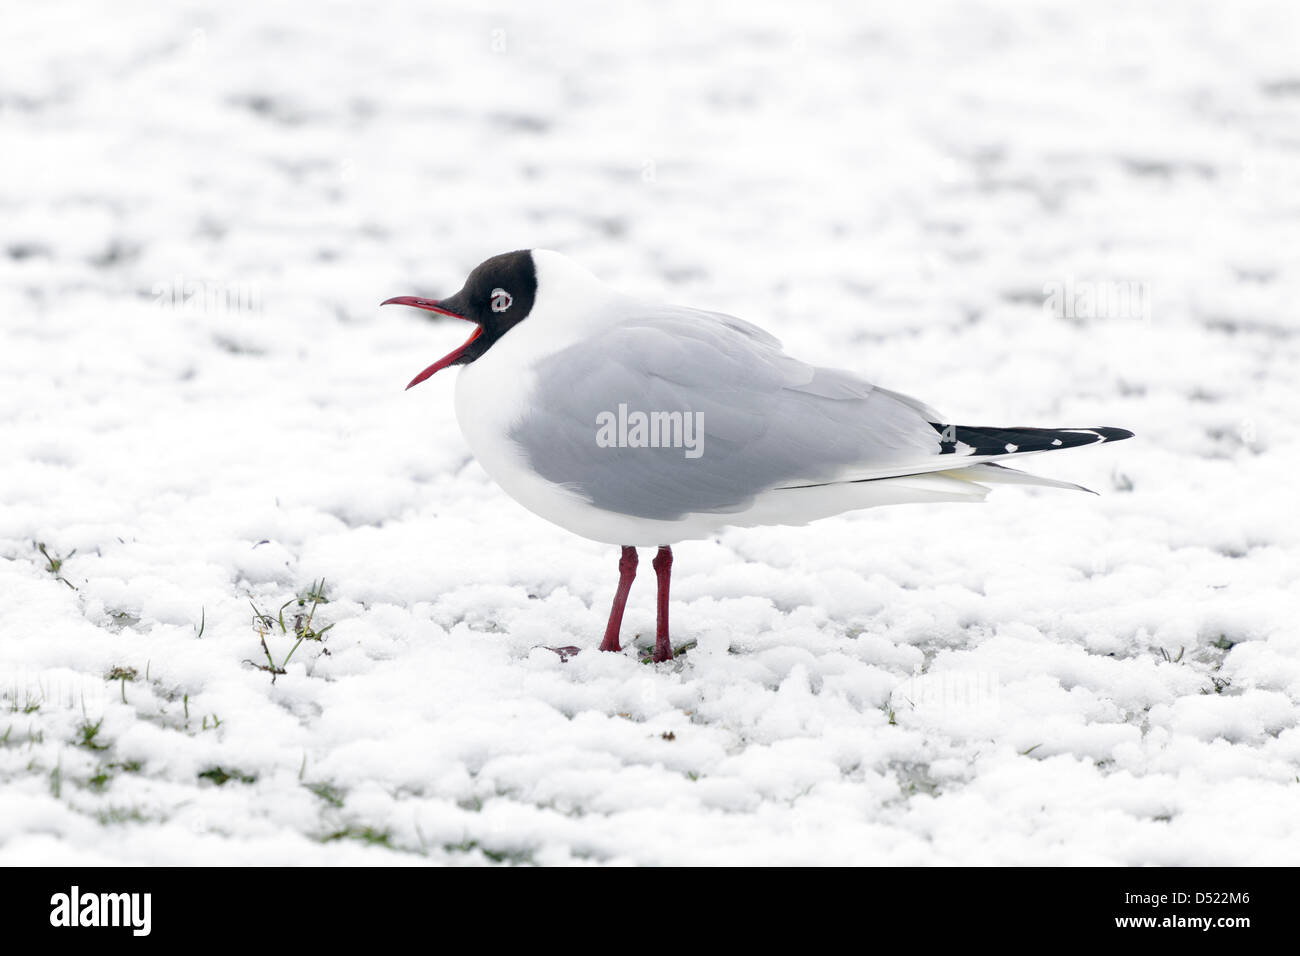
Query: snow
{"x": 1045, "y": 214}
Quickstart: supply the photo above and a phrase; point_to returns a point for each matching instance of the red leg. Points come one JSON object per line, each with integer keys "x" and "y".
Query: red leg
{"x": 663, "y": 565}
{"x": 626, "y": 572}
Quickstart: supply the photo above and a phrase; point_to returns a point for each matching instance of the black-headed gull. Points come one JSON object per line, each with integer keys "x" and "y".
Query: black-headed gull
{"x": 641, "y": 425}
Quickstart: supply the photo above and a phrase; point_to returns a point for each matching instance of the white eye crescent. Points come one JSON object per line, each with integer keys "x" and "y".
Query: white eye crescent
{"x": 501, "y": 300}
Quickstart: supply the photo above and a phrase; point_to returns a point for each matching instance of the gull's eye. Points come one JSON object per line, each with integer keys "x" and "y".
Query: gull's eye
{"x": 501, "y": 300}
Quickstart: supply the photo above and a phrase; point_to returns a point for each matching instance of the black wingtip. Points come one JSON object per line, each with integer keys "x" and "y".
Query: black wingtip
{"x": 967, "y": 440}
{"x": 1109, "y": 433}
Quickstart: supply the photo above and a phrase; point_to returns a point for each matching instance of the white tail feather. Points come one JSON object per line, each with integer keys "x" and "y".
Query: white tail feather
{"x": 1002, "y": 475}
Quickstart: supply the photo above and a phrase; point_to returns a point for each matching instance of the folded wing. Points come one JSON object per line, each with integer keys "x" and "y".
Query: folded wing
{"x": 759, "y": 420}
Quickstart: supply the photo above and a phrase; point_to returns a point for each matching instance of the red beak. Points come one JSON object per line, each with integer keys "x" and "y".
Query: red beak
{"x": 431, "y": 305}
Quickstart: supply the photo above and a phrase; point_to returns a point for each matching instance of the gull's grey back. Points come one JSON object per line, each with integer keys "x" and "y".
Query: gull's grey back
{"x": 767, "y": 419}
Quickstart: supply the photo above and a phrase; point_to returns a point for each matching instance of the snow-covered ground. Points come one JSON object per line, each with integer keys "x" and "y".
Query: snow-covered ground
{"x": 1050, "y": 214}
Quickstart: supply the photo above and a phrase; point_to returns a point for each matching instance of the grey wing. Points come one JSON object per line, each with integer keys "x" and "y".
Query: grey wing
{"x": 758, "y": 419}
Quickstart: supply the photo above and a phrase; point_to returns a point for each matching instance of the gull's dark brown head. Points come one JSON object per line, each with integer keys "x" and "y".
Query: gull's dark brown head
{"x": 496, "y": 297}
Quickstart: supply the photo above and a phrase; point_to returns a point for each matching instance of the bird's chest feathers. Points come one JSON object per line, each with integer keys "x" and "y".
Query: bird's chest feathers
{"x": 495, "y": 391}
{"x": 491, "y": 394}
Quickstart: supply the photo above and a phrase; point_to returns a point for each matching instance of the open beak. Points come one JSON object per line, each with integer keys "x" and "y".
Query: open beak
{"x": 432, "y": 305}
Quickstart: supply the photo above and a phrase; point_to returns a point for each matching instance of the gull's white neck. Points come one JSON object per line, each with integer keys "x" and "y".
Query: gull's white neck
{"x": 492, "y": 392}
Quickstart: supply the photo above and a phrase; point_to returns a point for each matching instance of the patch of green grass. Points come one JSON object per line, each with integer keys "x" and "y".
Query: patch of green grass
{"x": 221, "y": 777}
{"x": 122, "y": 674}
{"x": 678, "y": 651}
{"x": 517, "y": 857}
{"x": 28, "y": 705}
{"x": 1217, "y": 685}
{"x": 915, "y": 778}
{"x": 327, "y": 792}
{"x": 54, "y": 563}
{"x": 364, "y": 834}
{"x": 103, "y": 775}
{"x": 315, "y": 594}
{"x": 122, "y": 815}
{"x": 89, "y": 734}
{"x": 301, "y": 627}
